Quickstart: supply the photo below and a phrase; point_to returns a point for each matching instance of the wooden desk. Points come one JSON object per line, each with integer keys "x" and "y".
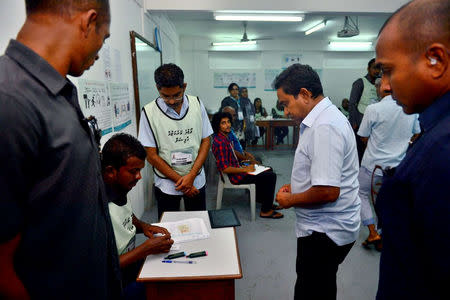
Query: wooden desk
{"x": 211, "y": 278}
{"x": 271, "y": 124}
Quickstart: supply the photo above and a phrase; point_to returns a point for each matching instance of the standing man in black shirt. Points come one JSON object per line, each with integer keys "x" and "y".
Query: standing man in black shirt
{"x": 362, "y": 95}
{"x": 56, "y": 238}
{"x": 413, "y": 203}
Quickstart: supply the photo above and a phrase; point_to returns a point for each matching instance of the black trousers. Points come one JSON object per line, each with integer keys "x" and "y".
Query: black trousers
{"x": 168, "y": 202}
{"x": 265, "y": 188}
{"x": 318, "y": 259}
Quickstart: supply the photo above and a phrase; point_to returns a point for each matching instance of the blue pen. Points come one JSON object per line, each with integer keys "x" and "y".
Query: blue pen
{"x": 179, "y": 261}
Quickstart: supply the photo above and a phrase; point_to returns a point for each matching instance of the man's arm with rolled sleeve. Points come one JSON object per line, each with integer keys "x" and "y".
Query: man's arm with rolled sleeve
{"x": 367, "y": 123}
{"x": 326, "y": 170}
{"x": 355, "y": 97}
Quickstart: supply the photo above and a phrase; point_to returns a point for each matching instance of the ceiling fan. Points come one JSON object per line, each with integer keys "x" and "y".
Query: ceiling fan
{"x": 243, "y": 40}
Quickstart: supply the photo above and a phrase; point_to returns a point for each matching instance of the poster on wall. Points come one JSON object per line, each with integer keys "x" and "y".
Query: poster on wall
{"x": 269, "y": 77}
{"x": 116, "y": 67}
{"x": 121, "y": 105}
{"x": 223, "y": 79}
{"x": 94, "y": 101}
{"x": 290, "y": 59}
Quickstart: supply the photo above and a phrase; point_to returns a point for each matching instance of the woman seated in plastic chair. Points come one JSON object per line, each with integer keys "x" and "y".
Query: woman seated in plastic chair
{"x": 228, "y": 163}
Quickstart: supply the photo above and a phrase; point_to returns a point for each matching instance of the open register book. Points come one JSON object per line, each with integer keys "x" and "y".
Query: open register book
{"x": 186, "y": 230}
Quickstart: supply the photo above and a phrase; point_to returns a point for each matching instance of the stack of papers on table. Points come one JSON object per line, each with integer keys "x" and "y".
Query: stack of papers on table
{"x": 186, "y": 230}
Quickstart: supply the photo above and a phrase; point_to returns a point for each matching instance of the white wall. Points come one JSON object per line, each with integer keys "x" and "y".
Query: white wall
{"x": 339, "y": 69}
{"x": 126, "y": 15}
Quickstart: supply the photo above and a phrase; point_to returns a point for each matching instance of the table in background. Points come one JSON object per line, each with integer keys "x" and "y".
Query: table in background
{"x": 211, "y": 278}
{"x": 269, "y": 125}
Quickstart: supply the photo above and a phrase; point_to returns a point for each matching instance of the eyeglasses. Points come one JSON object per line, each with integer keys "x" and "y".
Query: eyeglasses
{"x": 175, "y": 98}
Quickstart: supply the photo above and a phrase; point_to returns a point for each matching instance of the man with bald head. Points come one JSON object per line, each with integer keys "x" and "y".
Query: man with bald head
{"x": 414, "y": 206}
{"x": 56, "y": 241}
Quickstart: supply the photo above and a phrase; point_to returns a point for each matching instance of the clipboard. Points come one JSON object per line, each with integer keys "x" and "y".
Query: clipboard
{"x": 223, "y": 218}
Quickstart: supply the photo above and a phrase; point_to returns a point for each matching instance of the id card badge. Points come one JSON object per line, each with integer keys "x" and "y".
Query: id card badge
{"x": 240, "y": 115}
{"x": 181, "y": 157}
{"x": 131, "y": 245}
{"x": 252, "y": 118}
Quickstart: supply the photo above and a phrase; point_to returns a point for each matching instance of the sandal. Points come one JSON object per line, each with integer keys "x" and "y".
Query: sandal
{"x": 273, "y": 215}
{"x": 276, "y": 207}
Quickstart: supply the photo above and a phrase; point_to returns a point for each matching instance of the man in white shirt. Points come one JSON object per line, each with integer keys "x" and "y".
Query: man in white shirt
{"x": 324, "y": 183}
{"x": 175, "y": 130}
{"x": 386, "y": 130}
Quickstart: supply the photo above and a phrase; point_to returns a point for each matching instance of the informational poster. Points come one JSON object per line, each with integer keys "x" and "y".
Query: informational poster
{"x": 94, "y": 101}
{"x": 290, "y": 59}
{"x": 223, "y": 79}
{"x": 269, "y": 77}
{"x": 121, "y": 105}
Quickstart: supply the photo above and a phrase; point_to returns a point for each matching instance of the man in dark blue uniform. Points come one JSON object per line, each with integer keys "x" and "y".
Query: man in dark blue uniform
{"x": 414, "y": 204}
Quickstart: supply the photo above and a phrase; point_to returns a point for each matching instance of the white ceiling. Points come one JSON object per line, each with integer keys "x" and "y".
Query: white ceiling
{"x": 202, "y": 24}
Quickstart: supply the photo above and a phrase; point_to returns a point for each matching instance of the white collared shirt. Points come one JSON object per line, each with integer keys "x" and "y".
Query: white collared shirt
{"x": 147, "y": 139}
{"x": 389, "y": 130}
{"x": 326, "y": 156}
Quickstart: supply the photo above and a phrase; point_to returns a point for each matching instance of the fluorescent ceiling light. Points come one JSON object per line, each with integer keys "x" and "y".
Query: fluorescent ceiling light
{"x": 234, "y": 43}
{"x": 258, "y": 17}
{"x": 315, "y": 28}
{"x": 350, "y": 46}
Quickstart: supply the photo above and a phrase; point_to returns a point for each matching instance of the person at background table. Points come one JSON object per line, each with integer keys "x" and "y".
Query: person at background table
{"x": 56, "y": 241}
{"x": 280, "y": 131}
{"x": 234, "y": 101}
{"x": 344, "y": 107}
{"x": 123, "y": 158}
{"x": 386, "y": 130}
{"x": 260, "y": 112}
{"x": 175, "y": 131}
{"x": 250, "y": 129}
{"x": 229, "y": 164}
{"x": 240, "y": 152}
{"x": 324, "y": 183}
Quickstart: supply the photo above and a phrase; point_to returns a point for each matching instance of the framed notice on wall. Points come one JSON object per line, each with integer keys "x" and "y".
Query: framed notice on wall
{"x": 223, "y": 79}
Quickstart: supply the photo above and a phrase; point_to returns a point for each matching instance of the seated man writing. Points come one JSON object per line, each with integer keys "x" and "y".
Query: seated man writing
{"x": 123, "y": 158}
{"x": 228, "y": 163}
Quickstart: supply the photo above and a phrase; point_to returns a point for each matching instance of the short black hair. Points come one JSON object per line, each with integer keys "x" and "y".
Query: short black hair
{"x": 119, "y": 148}
{"x": 421, "y": 23}
{"x": 296, "y": 77}
{"x": 217, "y": 117}
{"x": 169, "y": 75}
{"x": 230, "y": 87}
{"x": 66, "y": 7}
{"x": 371, "y": 62}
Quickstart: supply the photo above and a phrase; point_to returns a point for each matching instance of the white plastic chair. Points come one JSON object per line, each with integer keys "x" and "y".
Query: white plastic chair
{"x": 224, "y": 183}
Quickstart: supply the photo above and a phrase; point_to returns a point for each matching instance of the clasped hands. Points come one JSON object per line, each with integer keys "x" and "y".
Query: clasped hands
{"x": 186, "y": 185}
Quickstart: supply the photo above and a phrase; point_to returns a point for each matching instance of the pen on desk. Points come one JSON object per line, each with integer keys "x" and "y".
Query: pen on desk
{"x": 197, "y": 254}
{"x": 179, "y": 261}
{"x": 175, "y": 255}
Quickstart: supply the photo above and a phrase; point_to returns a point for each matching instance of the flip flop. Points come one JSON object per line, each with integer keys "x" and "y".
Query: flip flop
{"x": 276, "y": 207}
{"x": 273, "y": 215}
{"x": 366, "y": 244}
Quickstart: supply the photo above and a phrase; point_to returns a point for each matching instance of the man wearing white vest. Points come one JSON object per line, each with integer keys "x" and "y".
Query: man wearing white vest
{"x": 123, "y": 158}
{"x": 175, "y": 130}
{"x": 362, "y": 95}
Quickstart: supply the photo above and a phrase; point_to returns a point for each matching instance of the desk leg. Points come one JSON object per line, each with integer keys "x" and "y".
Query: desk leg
{"x": 268, "y": 137}
{"x": 191, "y": 290}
